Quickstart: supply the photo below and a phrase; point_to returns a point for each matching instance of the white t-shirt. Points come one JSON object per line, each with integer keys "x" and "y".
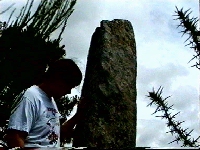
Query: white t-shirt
{"x": 38, "y": 115}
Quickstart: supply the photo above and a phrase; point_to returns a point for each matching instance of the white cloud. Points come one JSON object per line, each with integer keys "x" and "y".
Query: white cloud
{"x": 152, "y": 133}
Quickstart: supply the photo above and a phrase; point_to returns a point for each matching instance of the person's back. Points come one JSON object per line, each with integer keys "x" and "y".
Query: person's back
{"x": 42, "y": 125}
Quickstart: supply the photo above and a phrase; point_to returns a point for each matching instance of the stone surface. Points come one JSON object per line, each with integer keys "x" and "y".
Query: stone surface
{"x": 110, "y": 85}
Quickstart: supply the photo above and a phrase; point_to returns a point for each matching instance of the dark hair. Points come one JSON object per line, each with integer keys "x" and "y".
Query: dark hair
{"x": 66, "y": 70}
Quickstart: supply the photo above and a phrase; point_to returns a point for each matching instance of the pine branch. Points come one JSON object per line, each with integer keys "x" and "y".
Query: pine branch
{"x": 174, "y": 126}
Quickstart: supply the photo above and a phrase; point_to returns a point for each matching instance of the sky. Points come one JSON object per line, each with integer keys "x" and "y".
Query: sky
{"x": 162, "y": 57}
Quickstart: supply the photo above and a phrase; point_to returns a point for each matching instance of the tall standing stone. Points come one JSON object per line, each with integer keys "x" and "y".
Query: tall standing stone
{"x": 110, "y": 85}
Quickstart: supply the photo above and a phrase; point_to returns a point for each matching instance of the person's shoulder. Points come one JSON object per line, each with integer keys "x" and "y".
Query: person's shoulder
{"x": 31, "y": 90}
{"x": 31, "y": 93}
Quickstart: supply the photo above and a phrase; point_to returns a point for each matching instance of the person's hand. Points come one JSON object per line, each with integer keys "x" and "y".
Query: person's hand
{"x": 83, "y": 105}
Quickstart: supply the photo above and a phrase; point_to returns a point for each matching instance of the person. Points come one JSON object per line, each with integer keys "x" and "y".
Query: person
{"x": 34, "y": 122}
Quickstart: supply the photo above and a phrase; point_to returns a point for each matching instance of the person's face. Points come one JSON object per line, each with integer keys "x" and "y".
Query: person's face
{"x": 61, "y": 89}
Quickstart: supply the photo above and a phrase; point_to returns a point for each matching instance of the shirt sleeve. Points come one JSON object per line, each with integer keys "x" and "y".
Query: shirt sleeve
{"x": 23, "y": 116}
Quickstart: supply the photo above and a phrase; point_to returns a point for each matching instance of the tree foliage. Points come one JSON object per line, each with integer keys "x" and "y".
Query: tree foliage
{"x": 26, "y": 50}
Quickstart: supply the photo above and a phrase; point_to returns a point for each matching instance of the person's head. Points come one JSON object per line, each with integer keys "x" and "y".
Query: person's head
{"x": 62, "y": 76}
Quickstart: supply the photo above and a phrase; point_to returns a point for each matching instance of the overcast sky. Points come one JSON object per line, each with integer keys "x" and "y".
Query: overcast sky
{"x": 162, "y": 57}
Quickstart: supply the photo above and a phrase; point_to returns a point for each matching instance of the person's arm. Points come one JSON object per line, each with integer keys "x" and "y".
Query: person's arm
{"x": 20, "y": 122}
{"x": 67, "y": 127}
{"x": 15, "y": 138}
